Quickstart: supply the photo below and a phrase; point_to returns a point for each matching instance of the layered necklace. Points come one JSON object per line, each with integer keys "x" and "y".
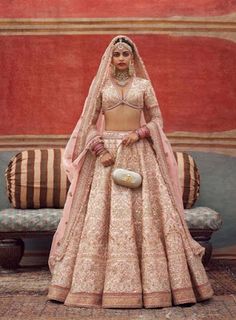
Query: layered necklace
{"x": 122, "y": 77}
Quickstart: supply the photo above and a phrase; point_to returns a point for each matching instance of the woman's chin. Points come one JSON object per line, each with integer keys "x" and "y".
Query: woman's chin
{"x": 122, "y": 68}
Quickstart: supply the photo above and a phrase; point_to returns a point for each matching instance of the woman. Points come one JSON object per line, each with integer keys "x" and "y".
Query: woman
{"x": 115, "y": 246}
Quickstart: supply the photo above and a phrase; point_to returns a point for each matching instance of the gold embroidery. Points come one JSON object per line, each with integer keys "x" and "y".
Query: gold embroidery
{"x": 118, "y": 254}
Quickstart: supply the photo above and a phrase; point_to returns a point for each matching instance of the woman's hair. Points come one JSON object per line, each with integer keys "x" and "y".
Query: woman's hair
{"x": 126, "y": 41}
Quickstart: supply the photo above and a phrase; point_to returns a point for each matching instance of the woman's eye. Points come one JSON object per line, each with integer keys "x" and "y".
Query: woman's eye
{"x": 116, "y": 54}
{"x": 126, "y": 53}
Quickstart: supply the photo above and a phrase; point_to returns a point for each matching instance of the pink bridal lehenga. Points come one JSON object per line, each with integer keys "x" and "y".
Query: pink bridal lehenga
{"x": 117, "y": 247}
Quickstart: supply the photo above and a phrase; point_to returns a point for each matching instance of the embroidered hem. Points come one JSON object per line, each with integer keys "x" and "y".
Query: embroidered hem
{"x": 129, "y": 300}
{"x": 57, "y": 293}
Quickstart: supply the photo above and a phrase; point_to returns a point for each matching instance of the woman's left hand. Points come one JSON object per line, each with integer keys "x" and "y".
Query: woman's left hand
{"x": 130, "y": 138}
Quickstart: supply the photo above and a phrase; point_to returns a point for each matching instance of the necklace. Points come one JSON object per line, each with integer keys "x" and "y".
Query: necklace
{"x": 122, "y": 77}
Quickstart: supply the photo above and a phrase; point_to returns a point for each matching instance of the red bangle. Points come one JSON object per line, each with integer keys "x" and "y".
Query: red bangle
{"x": 102, "y": 152}
{"x": 97, "y": 147}
{"x": 143, "y": 132}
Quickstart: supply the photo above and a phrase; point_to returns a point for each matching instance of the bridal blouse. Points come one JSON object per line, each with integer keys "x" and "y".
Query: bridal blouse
{"x": 128, "y": 247}
{"x": 138, "y": 93}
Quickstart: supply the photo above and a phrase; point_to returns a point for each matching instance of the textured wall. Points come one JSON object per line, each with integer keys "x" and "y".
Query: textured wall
{"x": 110, "y": 8}
{"x": 46, "y": 79}
{"x": 50, "y": 51}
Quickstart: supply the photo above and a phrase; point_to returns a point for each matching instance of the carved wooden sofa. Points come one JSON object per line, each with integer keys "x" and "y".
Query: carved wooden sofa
{"x": 36, "y": 186}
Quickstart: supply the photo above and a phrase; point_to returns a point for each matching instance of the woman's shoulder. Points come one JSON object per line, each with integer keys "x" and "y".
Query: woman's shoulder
{"x": 142, "y": 82}
{"x": 106, "y": 84}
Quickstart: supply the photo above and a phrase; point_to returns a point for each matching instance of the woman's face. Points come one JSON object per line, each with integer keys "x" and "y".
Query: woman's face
{"x": 121, "y": 58}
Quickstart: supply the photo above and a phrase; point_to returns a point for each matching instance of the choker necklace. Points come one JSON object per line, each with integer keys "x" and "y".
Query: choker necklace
{"x": 122, "y": 77}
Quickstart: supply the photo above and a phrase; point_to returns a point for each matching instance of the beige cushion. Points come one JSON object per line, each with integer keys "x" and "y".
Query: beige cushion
{"x": 203, "y": 218}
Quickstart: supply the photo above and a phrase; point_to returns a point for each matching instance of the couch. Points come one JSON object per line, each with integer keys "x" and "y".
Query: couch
{"x": 36, "y": 186}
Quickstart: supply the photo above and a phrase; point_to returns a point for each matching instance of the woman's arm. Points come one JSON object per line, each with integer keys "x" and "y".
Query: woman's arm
{"x": 152, "y": 114}
{"x": 97, "y": 145}
{"x": 151, "y": 106}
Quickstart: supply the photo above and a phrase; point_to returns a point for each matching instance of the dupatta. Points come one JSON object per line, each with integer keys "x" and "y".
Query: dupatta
{"x": 77, "y": 152}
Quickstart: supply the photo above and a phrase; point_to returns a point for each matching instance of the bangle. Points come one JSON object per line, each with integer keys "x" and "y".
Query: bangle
{"x": 143, "y": 132}
{"x": 102, "y": 153}
{"x": 98, "y": 148}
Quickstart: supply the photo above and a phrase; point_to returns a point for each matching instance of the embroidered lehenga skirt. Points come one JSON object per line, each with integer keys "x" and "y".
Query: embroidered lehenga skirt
{"x": 129, "y": 252}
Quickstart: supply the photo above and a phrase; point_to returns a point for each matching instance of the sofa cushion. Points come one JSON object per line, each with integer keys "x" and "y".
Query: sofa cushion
{"x": 189, "y": 178}
{"x": 36, "y": 179}
{"x": 203, "y": 218}
{"x": 14, "y": 220}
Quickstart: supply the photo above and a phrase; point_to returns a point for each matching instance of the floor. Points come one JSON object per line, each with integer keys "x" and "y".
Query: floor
{"x": 36, "y": 307}
{"x": 23, "y": 296}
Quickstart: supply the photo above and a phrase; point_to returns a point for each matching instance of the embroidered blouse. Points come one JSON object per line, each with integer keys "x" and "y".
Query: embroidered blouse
{"x": 139, "y": 95}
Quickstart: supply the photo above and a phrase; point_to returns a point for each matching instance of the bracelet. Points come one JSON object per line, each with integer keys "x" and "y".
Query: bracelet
{"x": 97, "y": 148}
{"x": 95, "y": 142}
{"x": 102, "y": 153}
{"x": 143, "y": 132}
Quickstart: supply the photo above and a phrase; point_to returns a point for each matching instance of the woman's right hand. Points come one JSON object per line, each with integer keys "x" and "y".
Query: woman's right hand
{"x": 107, "y": 159}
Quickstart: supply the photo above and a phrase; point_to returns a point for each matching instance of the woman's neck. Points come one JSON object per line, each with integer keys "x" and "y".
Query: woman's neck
{"x": 122, "y": 76}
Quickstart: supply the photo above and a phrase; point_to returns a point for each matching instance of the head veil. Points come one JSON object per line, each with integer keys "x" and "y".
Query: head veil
{"x": 82, "y": 133}
{"x": 76, "y": 152}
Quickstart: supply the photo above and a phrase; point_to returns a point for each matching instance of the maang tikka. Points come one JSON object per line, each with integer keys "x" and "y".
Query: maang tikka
{"x": 122, "y": 45}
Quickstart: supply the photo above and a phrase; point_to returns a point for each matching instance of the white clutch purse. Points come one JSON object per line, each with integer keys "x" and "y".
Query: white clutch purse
{"x": 126, "y": 178}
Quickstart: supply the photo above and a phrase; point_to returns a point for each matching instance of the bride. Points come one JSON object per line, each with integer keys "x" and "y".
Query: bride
{"x": 123, "y": 246}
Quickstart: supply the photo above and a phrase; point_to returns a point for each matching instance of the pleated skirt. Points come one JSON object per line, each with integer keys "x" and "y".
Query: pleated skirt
{"x": 131, "y": 250}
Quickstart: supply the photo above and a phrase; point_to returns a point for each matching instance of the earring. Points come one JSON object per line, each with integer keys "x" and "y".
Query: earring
{"x": 113, "y": 69}
{"x": 131, "y": 69}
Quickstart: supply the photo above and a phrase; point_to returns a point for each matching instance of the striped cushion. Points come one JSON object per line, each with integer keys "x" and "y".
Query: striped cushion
{"x": 36, "y": 179}
{"x": 189, "y": 178}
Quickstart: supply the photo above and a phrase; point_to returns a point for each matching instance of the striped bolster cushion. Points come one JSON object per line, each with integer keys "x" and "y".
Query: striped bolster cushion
{"x": 189, "y": 178}
{"x": 36, "y": 179}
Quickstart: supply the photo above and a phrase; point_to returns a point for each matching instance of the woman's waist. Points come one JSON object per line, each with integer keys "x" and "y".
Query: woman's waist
{"x": 122, "y": 121}
{"x": 120, "y": 128}
{"x": 115, "y": 134}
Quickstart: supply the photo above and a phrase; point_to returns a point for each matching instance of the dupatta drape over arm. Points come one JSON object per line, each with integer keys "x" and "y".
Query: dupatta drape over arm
{"x": 77, "y": 154}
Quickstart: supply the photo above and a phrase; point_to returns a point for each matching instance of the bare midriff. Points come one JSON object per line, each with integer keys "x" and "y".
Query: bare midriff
{"x": 122, "y": 118}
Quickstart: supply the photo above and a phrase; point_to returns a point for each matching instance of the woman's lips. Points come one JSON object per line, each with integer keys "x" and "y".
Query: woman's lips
{"x": 121, "y": 64}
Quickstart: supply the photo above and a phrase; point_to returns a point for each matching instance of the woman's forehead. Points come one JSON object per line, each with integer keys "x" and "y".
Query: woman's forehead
{"x": 120, "y": 50}
{"x": 121, "y": 47}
